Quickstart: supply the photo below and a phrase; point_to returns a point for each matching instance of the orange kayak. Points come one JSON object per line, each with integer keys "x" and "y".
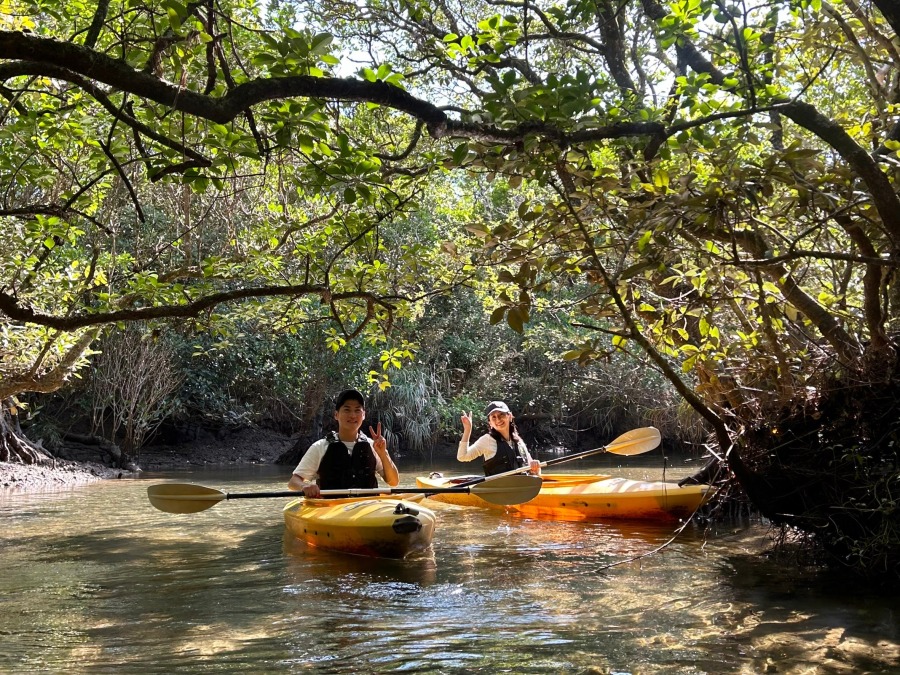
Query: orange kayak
{"x": 590, "y": 497}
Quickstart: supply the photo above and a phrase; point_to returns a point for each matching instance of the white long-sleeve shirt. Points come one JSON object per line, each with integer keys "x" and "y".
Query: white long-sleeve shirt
{"x": 485, "y": 447}
{"x": 308, "y": 468}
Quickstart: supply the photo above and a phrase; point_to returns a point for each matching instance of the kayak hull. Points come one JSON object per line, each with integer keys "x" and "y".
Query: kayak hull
{"x": 377, "y": 527}
{"x": 591, "y": 497}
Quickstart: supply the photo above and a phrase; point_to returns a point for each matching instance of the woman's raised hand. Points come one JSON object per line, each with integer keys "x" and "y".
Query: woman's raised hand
{"x": 466, "y": 420}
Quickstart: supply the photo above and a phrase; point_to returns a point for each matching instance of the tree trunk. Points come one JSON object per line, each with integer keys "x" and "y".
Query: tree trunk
{"x": 14, "y": 447}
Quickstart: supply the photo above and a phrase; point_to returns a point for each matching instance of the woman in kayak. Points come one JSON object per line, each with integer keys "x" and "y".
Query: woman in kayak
{"x": 502, "y": 448}
{"x": 346, "y": 459}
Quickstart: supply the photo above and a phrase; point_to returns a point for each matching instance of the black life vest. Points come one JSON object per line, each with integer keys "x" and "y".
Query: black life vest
{"x": 340, "y": 470}
{"x": 508, "y": 456}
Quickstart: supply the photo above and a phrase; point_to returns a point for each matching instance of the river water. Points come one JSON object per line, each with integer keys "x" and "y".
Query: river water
{"x": 95, "y": 580}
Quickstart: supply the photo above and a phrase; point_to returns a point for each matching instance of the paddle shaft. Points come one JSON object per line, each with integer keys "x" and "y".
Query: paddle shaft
{"x": 523, "y": 469}
{"x": 353, "y": 492}
{"x": 621, "y": 441}
{"x": 577, "y": 455}
{"x": 189, "y": 498}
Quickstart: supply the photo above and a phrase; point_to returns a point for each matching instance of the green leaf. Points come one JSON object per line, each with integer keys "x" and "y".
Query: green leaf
{"x": 515, "y": 319}
{"x": 460, "y": 153}
{"x": 644, "y": 240}
{"x": 321, "y": 43}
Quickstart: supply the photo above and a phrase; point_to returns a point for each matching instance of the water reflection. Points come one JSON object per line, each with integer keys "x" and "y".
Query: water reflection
{"x": 96, "y": 580}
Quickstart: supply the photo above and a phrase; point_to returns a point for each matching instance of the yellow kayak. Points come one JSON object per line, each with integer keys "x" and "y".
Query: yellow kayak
{"x": 372, "y": 526}
{"x": 590, "y": 497}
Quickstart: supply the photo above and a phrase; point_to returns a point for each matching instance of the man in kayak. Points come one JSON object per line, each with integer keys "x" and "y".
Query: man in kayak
{"x": 502, "y": 448}
{"x": 348, "y": 458}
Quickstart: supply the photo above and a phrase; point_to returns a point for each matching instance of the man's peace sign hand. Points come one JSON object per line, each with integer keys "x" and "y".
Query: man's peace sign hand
{"x": 378, "y": 440}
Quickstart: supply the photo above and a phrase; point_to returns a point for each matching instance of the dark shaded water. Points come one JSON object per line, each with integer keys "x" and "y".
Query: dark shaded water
{"x": 96, "y": 580}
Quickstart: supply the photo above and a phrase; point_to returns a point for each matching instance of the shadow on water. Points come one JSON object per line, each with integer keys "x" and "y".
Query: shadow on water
{"x": 811, "y": 617}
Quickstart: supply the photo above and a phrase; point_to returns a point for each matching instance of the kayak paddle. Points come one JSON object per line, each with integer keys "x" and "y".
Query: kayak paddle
{"x": 634, "y": 442}
{"x": 190, "y": 498}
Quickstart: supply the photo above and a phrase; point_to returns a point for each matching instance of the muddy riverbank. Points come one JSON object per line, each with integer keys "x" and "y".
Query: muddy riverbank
{"x": 53, "y": 475}
{"x": 85, "y": 464}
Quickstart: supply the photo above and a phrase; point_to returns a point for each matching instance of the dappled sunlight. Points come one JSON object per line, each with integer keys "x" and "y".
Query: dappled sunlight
{"x": 229, "y": 590}
{"x": 792, "y": 645}
{"x": 215, "y": 639}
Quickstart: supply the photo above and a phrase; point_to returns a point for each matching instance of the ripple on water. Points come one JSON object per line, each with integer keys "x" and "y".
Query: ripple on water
{"x": 97, "y": 581}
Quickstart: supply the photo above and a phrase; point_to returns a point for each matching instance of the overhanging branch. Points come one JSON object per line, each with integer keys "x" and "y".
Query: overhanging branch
{"x": 11, "y": 307}
{"x": 84, "y": 67}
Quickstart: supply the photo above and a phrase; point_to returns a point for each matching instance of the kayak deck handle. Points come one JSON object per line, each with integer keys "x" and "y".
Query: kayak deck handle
{"x": 402, "y": 508}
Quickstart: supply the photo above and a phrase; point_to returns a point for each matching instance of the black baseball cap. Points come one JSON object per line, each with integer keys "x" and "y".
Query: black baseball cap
{"x": 349, "y": 395}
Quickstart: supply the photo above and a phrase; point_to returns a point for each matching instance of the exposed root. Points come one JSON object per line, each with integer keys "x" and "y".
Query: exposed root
{"x": 14, "y": 446}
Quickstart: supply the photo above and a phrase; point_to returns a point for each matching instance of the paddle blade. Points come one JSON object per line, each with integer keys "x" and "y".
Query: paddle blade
{"x": 635, "y": 442}
{"x": 508, "y": 490}
{"x": 183, "y": 497}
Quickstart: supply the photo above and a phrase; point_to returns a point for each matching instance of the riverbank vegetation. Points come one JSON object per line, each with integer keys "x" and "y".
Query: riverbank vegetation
{"x": 608, "y": 213}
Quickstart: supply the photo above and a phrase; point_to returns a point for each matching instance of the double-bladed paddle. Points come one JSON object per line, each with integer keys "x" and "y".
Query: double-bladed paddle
{"x": 634, "y": 442}
{"x": 190, "y": 498}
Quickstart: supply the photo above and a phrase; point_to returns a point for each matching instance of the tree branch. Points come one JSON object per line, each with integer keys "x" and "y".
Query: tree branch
{"x": 62, "y": 73}
{"x": 10, "y": 306}
{"x": 93, "y": 33}
{"x": 66, "y": 61}
{"x": 55, "y": 378}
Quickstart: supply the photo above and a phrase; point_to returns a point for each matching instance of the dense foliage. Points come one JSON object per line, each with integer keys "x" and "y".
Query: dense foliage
{"x": 703, "y": 186}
